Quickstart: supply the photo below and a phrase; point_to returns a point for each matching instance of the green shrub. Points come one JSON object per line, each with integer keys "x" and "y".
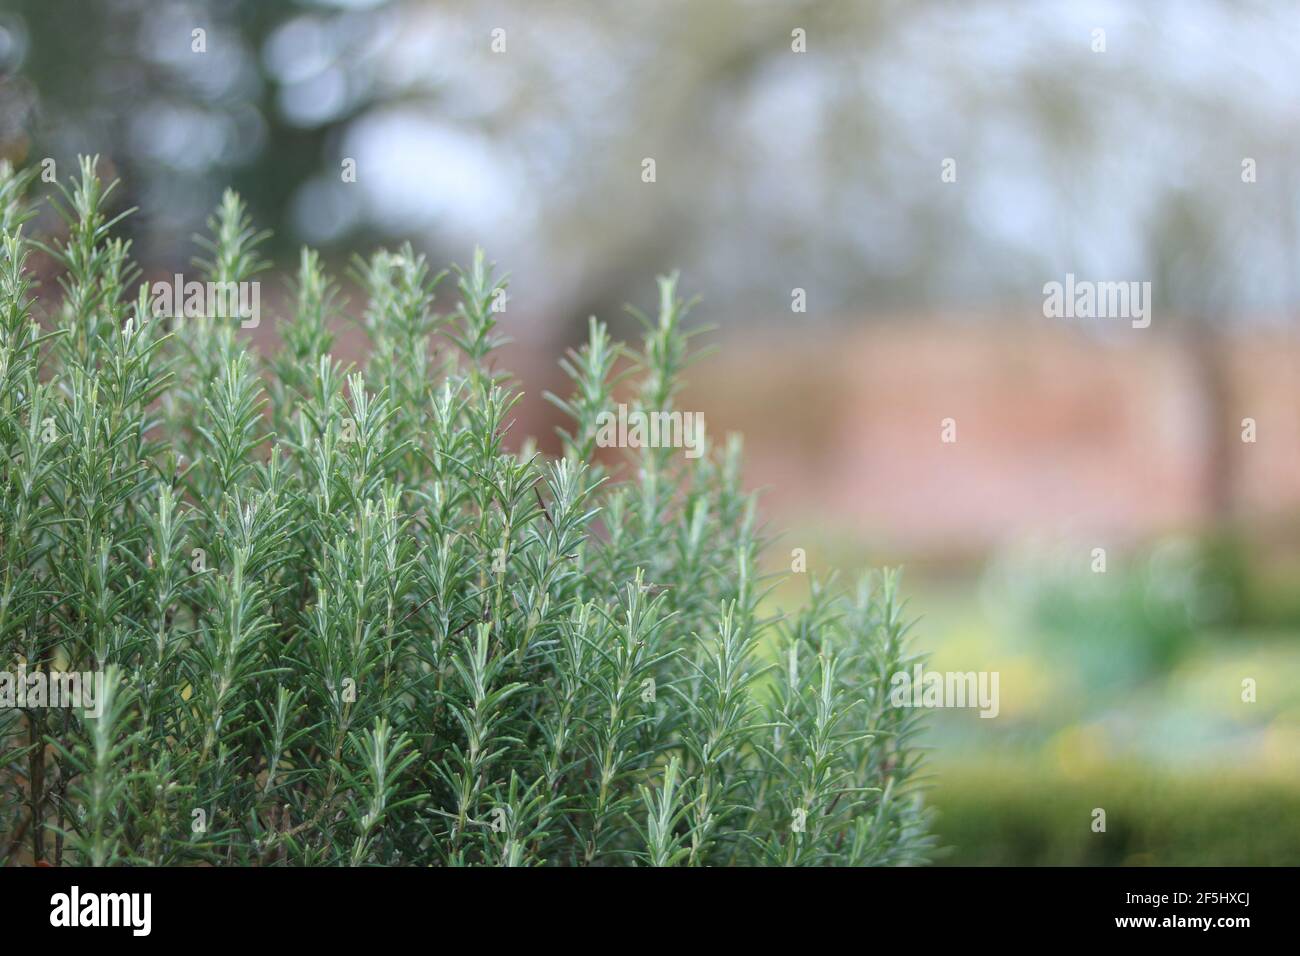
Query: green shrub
{"x": 339, "y": 623}
{"x": 1025, "y": 817}
{"x": 1108, "y": 632}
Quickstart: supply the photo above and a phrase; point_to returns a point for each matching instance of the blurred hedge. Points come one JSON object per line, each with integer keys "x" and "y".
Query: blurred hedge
{"x": 999, "y": 818}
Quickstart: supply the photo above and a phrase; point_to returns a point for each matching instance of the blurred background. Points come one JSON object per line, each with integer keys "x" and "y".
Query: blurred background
{"x": 868, "y": 197}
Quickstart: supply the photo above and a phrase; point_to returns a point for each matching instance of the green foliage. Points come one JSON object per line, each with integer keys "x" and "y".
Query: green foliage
{"x": 340, "y": 623}
{"x": 1024, "y": 816}
{"x": 1112, "y": 630}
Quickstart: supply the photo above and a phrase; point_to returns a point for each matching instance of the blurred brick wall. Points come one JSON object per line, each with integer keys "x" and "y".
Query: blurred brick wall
{"x": 1055, "y": 431}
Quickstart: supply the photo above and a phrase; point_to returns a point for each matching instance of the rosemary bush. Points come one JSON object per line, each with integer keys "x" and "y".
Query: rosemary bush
{"x": 339, "y": 623}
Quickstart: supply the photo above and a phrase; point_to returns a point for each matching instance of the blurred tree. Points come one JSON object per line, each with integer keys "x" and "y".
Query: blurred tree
{"x": 178, "y": 116}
